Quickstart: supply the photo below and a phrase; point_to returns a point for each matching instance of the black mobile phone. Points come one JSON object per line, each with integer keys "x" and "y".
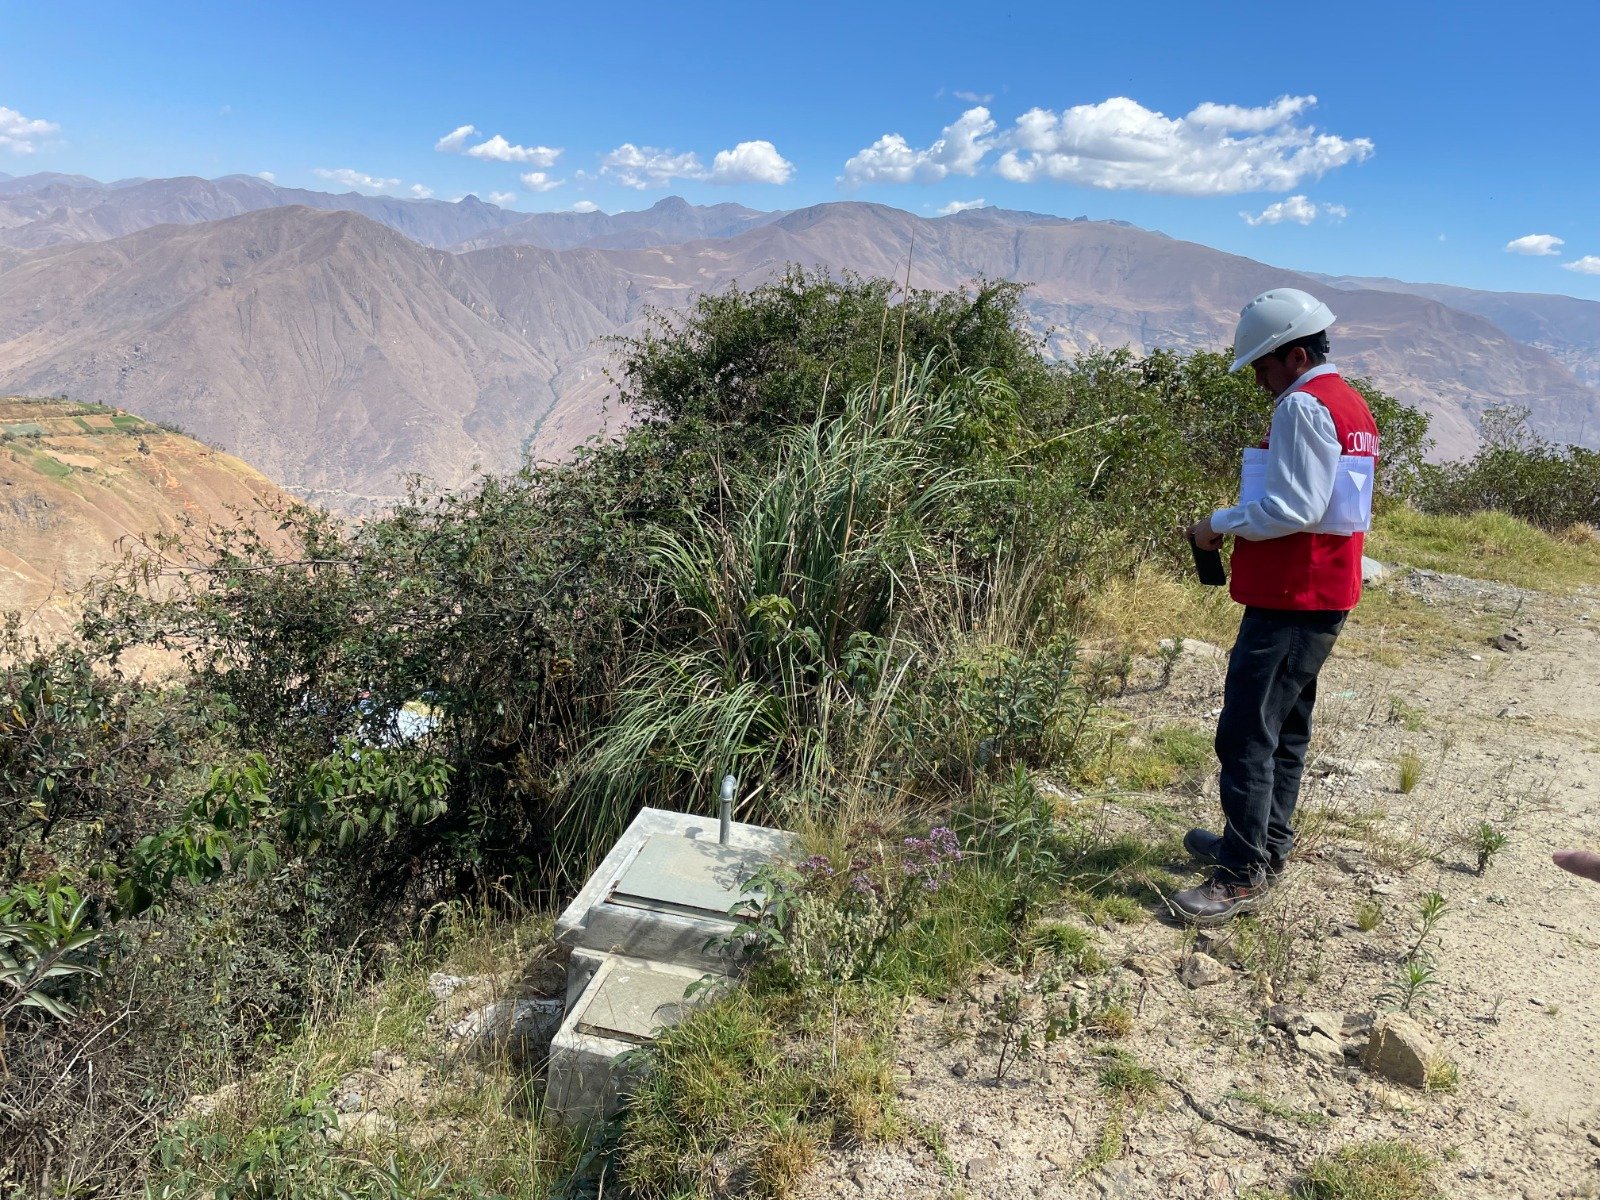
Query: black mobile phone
{"x": 1208, "y": 565}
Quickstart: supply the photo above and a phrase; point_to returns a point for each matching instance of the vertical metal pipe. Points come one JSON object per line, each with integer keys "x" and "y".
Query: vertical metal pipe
{"x": 725, "y": 808}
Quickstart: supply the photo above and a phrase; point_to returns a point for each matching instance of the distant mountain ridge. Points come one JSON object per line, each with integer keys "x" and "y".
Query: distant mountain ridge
{"x": 342, "y": 349}
{"x": 1565, "y": 326}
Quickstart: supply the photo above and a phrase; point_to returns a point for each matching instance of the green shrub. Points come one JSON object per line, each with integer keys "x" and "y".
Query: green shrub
{"x": 1518, "y": 473}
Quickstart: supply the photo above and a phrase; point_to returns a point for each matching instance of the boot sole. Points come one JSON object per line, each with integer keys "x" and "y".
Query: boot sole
{"x": 1237, "y": 909}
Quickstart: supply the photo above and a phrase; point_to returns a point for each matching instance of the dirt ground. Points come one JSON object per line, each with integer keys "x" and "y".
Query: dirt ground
{"x": 1508, "y": 736}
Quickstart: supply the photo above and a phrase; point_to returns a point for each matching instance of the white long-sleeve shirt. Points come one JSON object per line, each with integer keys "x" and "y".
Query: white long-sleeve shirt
{"x": 1302, "y": 455}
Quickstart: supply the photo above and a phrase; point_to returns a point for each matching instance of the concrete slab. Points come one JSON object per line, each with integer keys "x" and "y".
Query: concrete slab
{"x": 663, "y": 891}
{"x": 644, "y": 930}
{"x": 626, "y": 1002}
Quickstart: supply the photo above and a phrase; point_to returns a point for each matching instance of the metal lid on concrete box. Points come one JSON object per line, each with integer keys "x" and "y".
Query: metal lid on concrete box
{"x": 631, "y": 1001}
{"x": 675, "y": 874}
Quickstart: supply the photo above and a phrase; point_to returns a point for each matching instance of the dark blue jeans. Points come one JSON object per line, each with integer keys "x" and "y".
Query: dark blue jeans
{"x": 1264, "y": 730}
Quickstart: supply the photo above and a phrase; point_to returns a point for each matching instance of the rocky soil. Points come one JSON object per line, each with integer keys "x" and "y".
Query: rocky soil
{"x": 1259, "y": 1038}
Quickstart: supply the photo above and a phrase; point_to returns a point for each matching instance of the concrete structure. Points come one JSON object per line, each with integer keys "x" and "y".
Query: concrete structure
{"x": 650, "y": 924}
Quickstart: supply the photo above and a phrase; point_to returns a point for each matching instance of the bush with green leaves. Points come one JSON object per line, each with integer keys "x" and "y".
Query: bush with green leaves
{"x": 1516, "y": 471}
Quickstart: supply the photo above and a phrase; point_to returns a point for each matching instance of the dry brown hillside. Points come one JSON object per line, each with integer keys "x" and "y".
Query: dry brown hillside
{"x": 79, "y": 483}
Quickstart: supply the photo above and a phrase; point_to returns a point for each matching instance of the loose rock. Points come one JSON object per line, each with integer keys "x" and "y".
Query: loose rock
{"x": 1319, "y": 1047}
{"x": 1399, "y": 1049}
{"x": 519, "y": 1029}
{"x": 1201, "y": 969}
{"x": 1516, "y": 638}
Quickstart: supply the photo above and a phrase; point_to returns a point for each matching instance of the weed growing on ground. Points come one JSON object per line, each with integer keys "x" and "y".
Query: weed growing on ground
{"x": 1411, "y": 982}
{"x": 1379, "y": 1170}
{"x": 1488, "y": 842}
{"x": 1397, "y": 852}
{"x": 1441, "y": 1075}
{"x": 760, "y": 1080}
{"x": 1279, "y": 949}
{"x": 1304, "y": 1118}
{"x": 1128, "y": 1085}
{"x": 1023, "y": 1017}
{"x": 1071, "y": 946}
{"x": 1431, "y": 911}
{"x": 1408, "y": 716}
{"x": 1410, "y": 771}
{"x": 1369, "y": 915}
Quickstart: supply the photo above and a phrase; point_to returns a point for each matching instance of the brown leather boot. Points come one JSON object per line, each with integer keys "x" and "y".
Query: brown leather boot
{"x": 1218, "y": 900}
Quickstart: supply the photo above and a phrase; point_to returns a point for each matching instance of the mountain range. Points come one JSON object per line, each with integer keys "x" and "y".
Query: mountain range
{"x": 342, "y": 342}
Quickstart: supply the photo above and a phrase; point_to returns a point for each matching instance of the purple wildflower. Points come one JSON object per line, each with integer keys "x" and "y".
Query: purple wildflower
{"x": 817, "y": 867}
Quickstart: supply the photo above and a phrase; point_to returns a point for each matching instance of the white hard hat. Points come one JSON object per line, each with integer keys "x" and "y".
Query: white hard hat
{"x": 1274, "y": 319}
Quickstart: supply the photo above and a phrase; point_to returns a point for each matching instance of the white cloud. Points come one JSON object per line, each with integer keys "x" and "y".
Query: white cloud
{"x": 225, "y": 111}
{"x": 20, "y": 134}
{"x": 646, "y": 167}
{"x": 495, "y": 149}
{"x": 750, "y": 162}
{"x": 1216, "y": 150}
{"x": 974, "y": 97}
{"x": 503, "y": 199}
{"x": 452, "y": 142}
{"x": 955, "y": 206}
{"x": 267, "y": 175}
{"x": 357, "y": 181}
{"x": 585, "y": 206}
{"x": 891, "y": 159}
{"x": 421, "y": 192}
{"x": 1589, "y": 264}
{"x": 1540, "y": 245}
{"x": 1298, "y": 209}
{"x": 538, "y": 181}
{"x": 1249, "y": 120}
{"x": 498, "y": 149}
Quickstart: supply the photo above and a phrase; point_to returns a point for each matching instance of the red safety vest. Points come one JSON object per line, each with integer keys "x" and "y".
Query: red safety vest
{"x": 1315, "y": 572}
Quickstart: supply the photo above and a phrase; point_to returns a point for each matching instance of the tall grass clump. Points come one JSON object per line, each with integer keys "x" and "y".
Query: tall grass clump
{"x": 790, "y": 613}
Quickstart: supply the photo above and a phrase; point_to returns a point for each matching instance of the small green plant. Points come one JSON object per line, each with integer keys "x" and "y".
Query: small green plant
{"x": 1441, "y": 1075}
{"x": 1022, "y": 1017}
{"x": 1380, "y": 1170}
{"x": 1304, "y": 1118}
{"x": 1127, "y": 1084}
{"x": 1412, "y": 981}
{"x": 1071, "y": 946}
{"x": 1369, "y": 915}
{"x": 1432, "y": 910}
{"x": 1488, "y": 842}
{"x": 1410, "y": 771}
{"x": 1408, "y": 716}
{"x": 1168, "y": 652}
{"x": 814, "y": 922}
{"x": 1124, "y": 1075}
{"x": 41, "y": 932}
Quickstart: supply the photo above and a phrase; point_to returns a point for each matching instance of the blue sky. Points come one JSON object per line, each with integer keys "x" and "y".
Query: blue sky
{"x": 1439, "y": 135}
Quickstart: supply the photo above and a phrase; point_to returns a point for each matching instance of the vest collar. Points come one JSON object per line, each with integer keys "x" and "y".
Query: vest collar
{"x": 1326, "y": 368}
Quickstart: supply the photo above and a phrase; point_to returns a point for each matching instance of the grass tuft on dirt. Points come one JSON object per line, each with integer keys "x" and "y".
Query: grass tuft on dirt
{"x": 1381, "y": 1170}
{"x": 1485, "y": 545}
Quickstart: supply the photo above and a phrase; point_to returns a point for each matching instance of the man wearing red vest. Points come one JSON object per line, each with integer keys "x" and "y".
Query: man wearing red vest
{"x": 1305, "y": 503}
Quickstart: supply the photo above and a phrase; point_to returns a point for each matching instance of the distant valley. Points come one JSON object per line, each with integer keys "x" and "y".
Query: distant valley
{"x": 340, "y": 343}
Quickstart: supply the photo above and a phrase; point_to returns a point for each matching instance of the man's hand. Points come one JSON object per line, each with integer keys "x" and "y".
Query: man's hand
{"x": 1579, "y": 862}
{"x": 1202, "y": 535}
